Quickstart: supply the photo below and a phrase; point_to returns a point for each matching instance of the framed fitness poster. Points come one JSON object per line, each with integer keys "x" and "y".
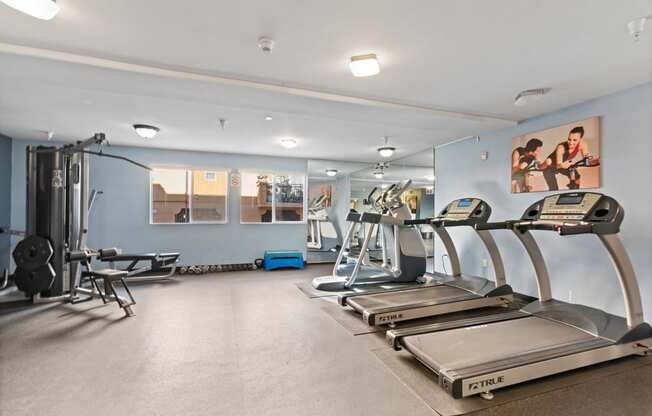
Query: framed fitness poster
{"x": 559, "y": 158}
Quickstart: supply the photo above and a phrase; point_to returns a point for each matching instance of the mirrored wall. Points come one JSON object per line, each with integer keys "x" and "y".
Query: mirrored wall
{"x": 336, "y": 187}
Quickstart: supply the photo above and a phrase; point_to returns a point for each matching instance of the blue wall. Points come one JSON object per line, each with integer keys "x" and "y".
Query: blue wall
{"x": 579, "y": 266}
{"x": 120, "y": 216}
{"x": 5, "y": 198}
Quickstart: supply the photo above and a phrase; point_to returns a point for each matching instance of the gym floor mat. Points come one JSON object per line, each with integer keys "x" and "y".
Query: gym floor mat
{"x": 348, "y": 318}
{"x": 596, "y": 390}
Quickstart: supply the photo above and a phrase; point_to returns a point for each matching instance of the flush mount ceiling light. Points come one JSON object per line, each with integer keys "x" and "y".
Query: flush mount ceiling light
{"x": 145, "y": 131}
{"x": 269, "y": 118}
{"x": 288, "y": 143}
{"x": 331, "y": 172}
{"x": 40, "y": 9}
{"x": 364, "y": 65}
{"x": 527, "y": 96}
{"x": 379, "y": 174}
{"x": 637, "y": 26}
{"x": 386, "y": 150}
{"x": 430, "y": 178}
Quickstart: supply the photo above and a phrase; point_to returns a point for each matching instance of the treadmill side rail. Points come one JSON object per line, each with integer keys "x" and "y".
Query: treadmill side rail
{"x": 402, "y": 313}
{"x": 476, "y": 384}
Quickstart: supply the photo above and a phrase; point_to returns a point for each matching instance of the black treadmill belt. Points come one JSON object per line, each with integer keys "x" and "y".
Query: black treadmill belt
{"x": 504, "y": 344}
{"x": 433, "y": 295}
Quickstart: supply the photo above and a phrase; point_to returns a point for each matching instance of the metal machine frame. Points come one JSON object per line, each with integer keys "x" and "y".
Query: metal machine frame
{"x": 57, "y": 208}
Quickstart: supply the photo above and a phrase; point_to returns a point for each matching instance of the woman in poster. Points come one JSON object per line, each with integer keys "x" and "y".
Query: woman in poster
{"x": 562, "y": 160}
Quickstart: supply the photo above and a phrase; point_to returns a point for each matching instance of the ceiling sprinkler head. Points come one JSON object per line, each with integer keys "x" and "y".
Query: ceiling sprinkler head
{"x": 266, "y": 44}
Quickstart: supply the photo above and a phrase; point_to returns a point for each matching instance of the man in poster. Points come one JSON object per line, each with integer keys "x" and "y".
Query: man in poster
{"x": 526, "y": 159}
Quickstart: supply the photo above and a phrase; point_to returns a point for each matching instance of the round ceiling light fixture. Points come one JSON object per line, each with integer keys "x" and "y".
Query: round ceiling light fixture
{"x": 40, "y": 9}
{"x": 145, "y": 131}
{"x": 379, "y": 174}
{"x": 331, "y": 172}
{"x": 364, "y": 65}
{"x": 269, "y": 118}
{"x": 288, "y": 143}
{"x": 386, "y": 150}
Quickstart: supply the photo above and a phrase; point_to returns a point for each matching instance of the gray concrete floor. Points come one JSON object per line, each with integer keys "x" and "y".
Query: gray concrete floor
{"x": 241, "y": 343}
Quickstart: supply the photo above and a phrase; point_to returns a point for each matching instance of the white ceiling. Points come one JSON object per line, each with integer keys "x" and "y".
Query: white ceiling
{"x": 462, "y": 55}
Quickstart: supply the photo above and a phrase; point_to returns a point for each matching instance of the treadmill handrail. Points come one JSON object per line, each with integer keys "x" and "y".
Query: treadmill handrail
{"x": 627, "y": 277}
{"x": 612, "y": 243}
{"x": 531, "y": 247}
{"x": 500, "y": 225}
{"x": 440, "y": 225}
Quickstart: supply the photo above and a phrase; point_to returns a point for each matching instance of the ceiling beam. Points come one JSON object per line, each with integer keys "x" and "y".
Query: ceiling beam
{"x": 215, "y": 79}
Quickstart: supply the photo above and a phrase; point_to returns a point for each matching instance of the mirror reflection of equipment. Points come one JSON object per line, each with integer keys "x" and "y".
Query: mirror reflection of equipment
{"x": 403, "y": 251}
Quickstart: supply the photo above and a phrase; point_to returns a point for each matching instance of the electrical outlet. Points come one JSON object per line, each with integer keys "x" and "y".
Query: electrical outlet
{"x": 484, "y": 263}
{"x": 484, "y": 155}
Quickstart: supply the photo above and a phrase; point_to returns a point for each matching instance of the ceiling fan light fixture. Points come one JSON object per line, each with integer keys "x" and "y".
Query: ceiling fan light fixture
{"x": 386, "y": 150}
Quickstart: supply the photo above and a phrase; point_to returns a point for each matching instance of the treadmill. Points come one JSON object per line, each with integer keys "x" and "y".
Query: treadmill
{"x": 451, "y": 293}
{"x": 554, "y": 336}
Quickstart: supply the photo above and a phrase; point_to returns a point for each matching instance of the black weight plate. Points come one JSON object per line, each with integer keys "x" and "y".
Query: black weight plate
{"x": 33, "y": 282}
{"x": 32, "y": 253}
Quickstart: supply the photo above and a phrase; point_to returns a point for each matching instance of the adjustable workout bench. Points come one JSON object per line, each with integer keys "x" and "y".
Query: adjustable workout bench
{"x": 160, "y": 266}
{"x": 109, "y": 277}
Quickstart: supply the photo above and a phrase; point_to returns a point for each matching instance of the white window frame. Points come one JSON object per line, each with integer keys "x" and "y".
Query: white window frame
{"x": 189, "y": 171}
{"x": 274, "y": 174}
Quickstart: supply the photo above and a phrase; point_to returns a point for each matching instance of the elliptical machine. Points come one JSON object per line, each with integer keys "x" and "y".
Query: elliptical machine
{"x": 403, "y": 251}
{"x": 323, "y": 231}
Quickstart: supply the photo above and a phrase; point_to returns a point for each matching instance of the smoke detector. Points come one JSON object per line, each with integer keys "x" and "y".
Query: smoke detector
{"x": 266, "y": 44}
{"x": 637, "y": 26}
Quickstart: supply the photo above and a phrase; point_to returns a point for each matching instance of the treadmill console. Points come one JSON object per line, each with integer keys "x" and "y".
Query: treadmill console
{"x": 578, "y": 207}
{"x": 472, "y": 209}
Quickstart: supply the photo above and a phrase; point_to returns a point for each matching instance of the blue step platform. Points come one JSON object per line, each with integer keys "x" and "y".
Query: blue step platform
{"x": 276, "y": 259}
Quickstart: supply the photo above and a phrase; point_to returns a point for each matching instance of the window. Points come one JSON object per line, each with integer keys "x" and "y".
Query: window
{"x": 170, "y": 196}
{"x": 271, "y": 197}
{"x": 289, "y": 197}
{"x": 180, "y": 196}
{"x": 209, "y": 196}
